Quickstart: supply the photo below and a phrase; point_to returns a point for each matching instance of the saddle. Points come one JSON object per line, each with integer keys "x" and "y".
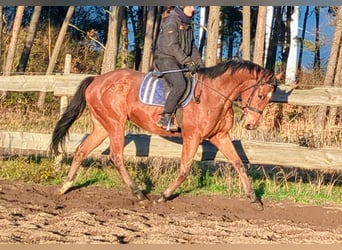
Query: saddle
{"x": 154, "y": 90}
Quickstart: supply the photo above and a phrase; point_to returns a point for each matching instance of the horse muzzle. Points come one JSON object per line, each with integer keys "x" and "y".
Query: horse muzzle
{"x": 250, "y": 126}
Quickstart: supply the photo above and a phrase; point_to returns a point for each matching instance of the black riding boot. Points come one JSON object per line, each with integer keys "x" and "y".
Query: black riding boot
{"x": 166, "y": 122}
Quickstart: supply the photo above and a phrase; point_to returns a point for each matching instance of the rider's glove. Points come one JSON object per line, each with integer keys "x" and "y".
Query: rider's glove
{"x": 192, "y": 67}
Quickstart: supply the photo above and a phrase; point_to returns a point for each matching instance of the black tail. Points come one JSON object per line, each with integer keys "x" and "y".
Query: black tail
{"x": 72, "y": 112}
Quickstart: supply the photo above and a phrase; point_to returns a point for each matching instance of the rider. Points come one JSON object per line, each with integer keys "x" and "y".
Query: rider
{"x": 175, "y": 50}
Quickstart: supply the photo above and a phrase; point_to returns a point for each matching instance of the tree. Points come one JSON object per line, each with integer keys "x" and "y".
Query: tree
{"x": 59, "y": 40}
{"x": 124, "y": 40}
{"x": 269, "y": 26}
{"x": 136, "y": 15}
{"x": 246, "y": 32}
{"x": 14, "y": 38}
{"x": 275, "y": 28}
{"x": 259, "y": 41}
{"x": 204, "y": 12}
{"x": 230, "y": 28}
{"x": 13, "y": 44}
{"x": 291, "y": 66}
{"x": 317, "y": 58}
{"x": 1, "y": 27}
{"x": 302, "y": 39}
{"x": 148, "y": 42}
{"x": 113, "y": 35}
{"x": 56, "y": 50}
{"x": 212, "y": 40}
{"x": 29, "y": 39}
{"x": 158, "y": 19}
{"x": 334, "y": 68}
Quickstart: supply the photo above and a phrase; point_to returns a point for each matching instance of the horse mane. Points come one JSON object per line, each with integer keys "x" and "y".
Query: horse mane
{"x": 231, "y": 65}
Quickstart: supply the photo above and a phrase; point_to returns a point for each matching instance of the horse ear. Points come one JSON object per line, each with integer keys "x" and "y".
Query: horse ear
{"x": 280, "y": 75}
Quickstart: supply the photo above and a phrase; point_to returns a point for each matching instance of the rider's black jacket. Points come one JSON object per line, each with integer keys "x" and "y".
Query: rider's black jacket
{"x": 176, "y": 39}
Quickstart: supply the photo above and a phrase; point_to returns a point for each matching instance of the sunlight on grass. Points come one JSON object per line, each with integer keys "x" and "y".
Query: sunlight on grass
{"x": 153, "y": 175}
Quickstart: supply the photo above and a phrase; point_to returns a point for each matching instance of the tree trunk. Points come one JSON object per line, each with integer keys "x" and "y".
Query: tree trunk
{"x": 333, "y": 74}
{"x": 1, "y": 27}
{"x": 138, "y": 31}
{"x": 124, "y": 41}
{"x": 160, "y": 10}
{"x": 29, "y": 39}
{"x": 113, "y": 36}
{"x": 269, "y": 26}
{"x": 59, "y": 40}
{"x": 291, "y": 66}
{"x": 337, "y": 111}
{"x": 147, "y": 51}
{"x": 56, "y": 50}
{"x": 302, "y": 39}
{"x": 259, "y": 41}
{"x": 13, "y": 44}
{"x": 246, "y": 32}
{"x": 317, "y": 59}
{"x": 14, "y": 38}
{"x": 287, "y": 38}
{"x": 203, "y": 32}
{"x": 274, "y": 37}
{"x": 212, "y": 40}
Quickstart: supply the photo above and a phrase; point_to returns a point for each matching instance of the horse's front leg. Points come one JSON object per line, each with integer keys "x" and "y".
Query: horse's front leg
{"x": 189, "y": 150}
{"x": 224, "y": 143}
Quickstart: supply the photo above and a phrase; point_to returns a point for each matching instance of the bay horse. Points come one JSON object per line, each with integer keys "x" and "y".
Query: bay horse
{"x": 112, "y": 98}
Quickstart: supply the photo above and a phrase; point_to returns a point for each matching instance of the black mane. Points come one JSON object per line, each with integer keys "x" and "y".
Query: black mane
{"x": 233, "y": 66}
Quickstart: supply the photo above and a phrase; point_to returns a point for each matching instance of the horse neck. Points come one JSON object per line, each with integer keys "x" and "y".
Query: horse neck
{"x": 237, "y": 83}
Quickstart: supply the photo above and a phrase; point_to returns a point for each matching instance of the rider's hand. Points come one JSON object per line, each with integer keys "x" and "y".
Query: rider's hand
{"x": 192, "y": 67}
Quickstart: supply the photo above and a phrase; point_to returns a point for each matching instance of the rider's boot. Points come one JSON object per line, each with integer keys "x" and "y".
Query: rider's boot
{"x": 166, "y": 122}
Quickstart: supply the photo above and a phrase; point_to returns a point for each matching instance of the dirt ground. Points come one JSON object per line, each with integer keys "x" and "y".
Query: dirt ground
{"x": 32, "y": 213}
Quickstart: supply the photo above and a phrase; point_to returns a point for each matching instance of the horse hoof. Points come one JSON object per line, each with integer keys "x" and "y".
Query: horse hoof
{"x": 161, "y": 199}
{"x": 257, "y": 204}
{"x": 140, "y": 195}
{"x": 144, "y": 203}
{"x": 66, "y": 186}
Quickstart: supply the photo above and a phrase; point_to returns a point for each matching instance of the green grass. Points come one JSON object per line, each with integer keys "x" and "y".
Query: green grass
{"x": 153, "y": 175}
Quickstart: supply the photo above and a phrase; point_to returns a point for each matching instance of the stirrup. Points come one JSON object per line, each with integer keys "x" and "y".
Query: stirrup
{"x": 171, "y": 126}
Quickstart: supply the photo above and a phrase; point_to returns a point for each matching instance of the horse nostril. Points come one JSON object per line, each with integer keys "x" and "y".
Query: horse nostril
{"x": 250, "y": 126}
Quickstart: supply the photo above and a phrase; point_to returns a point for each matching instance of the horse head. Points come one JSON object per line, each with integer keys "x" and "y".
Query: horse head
{"x": 257, "y": 94}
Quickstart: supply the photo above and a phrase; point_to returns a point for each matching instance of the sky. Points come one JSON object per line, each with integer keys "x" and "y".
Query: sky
{"x": 326, "y": 34}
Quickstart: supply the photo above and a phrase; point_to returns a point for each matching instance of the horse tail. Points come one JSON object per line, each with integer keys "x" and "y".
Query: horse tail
{"x": 73, "y": 111}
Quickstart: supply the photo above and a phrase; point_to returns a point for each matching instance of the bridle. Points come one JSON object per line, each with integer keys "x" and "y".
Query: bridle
{"x": 255, "y": 88}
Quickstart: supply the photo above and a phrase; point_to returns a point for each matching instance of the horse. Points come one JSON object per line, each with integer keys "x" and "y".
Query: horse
{"x": 112, "y": 100}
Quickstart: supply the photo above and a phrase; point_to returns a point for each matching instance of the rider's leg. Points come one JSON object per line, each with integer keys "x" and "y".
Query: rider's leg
{"x": 178, "y": 86}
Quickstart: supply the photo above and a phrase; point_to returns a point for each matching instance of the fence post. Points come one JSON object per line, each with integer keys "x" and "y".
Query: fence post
{"x": 67, "y": 69}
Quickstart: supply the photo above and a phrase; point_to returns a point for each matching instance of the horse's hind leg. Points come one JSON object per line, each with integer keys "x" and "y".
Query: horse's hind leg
{"x": 224, "y": 143}
{"x": 94, "y": 139}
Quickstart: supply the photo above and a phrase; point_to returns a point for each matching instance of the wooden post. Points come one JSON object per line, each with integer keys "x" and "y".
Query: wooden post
{"x": 64, "y": 99}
